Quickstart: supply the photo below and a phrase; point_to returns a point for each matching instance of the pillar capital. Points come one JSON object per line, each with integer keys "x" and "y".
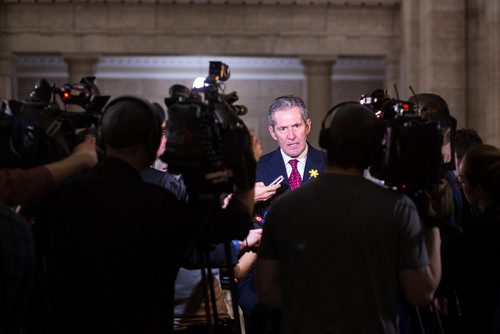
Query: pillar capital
{"x": 318, "y": 64}
{"x": 80, "y": 65}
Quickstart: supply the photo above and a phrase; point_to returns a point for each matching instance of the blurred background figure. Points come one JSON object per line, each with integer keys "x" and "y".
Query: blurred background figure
{"x": 23, "y": 306}
{"x": 479, "y": 175}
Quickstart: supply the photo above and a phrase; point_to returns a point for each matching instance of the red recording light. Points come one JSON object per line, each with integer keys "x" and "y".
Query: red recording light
{"x": 403, "y": 186}
{"x": 406, "y": 106}
{"x": 66, "y": 95}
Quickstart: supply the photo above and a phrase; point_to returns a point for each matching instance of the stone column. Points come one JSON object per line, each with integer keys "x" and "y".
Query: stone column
{"x": 7, "y": 76}
{"x": 442, "y": 52}
{"x": 319, "y": 89}
{"x": 392, "y": 78}
{"x": 492, "y": 133}
{"x": 409, "y": 73}
{"x": 80, "y": 65}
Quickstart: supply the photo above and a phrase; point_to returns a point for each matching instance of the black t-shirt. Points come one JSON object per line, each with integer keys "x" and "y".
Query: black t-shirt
{"x": 341, "y": 242}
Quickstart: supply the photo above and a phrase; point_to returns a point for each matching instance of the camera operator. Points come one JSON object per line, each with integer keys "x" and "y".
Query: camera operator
{"x": 116, "y": 242}
{"x": 343, "y": 272}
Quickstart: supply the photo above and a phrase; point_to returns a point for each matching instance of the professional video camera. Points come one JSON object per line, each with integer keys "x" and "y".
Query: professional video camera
{"x": 41, "y": 129}
{"x": 411, "y": 156}
{"x": 207, "y": 142}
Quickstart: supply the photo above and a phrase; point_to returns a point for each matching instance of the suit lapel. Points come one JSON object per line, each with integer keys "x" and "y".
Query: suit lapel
{"x": 313, "y": 161}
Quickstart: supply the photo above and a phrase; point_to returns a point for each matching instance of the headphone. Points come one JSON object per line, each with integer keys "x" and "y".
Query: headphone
{"x": 154, "y": 135}
{"x": 324, "y": 132}
{"x": 343, "y": 142}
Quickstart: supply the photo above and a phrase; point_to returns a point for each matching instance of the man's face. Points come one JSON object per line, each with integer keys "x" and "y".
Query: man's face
{"x": 290, "y": 131}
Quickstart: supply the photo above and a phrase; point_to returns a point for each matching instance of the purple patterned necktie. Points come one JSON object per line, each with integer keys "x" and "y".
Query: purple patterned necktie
{"x": 294, "y": 179}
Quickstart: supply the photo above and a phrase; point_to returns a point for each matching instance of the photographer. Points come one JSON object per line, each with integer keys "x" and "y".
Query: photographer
{"x": 116, "y": 242}
{"x": 342, "y": 273}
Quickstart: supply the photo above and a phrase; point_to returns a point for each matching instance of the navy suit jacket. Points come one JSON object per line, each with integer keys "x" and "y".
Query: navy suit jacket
{"x": 271, "y": 165}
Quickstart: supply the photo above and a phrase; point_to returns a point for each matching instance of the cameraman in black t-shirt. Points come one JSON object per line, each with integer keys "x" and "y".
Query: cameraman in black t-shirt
{"x": 115, "y": 242}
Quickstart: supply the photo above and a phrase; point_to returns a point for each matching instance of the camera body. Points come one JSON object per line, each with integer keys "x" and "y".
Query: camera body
{"x": 411, "y": 153}
{"x": 41, "y": 130}
{"x": 207, "y": 141}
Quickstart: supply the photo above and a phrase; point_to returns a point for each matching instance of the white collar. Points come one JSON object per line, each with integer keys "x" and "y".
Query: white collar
{"x": 302, "y": 157}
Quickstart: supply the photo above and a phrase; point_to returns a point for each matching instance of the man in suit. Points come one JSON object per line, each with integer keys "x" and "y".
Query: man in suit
{"x": 298, "y": 162}
{"x": 289, "y": 125}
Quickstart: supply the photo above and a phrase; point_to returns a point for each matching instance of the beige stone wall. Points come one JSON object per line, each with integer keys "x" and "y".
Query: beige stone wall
{"x": 449, "y": 47}
{"x": 483, "y": 69}
{"x": 158, "y": 28}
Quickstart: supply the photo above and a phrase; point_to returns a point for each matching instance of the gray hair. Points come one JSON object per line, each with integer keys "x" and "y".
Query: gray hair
{"x": 284, "y": 103}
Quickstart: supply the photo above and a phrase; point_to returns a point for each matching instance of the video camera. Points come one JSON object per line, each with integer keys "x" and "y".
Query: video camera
{"x": 207, "y": 141}
{"x": 415, "y": 152}
{"x": 41, "y": 129}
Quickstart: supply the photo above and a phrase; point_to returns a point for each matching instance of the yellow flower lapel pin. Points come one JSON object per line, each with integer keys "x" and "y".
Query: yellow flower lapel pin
{"x": 313, "y": 173}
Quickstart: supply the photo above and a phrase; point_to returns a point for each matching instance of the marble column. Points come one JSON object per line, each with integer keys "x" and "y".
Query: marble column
{"x": 318, "y": 73}
{"x": 80, "y": 65}
{"x": 7, "y": 76}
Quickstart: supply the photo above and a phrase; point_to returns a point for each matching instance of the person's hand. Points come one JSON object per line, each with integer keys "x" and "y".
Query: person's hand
{"x": 252, "y": 240}
{"x": 263, "y": 192}
{"x": 86, "y": 152}
{"x": 226, "y": 200}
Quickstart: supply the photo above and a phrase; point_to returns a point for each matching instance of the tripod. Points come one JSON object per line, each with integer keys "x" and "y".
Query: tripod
{"x": 220, "y": 256}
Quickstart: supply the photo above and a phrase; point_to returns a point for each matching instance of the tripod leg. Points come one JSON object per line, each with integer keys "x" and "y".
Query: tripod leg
{"x": 232, "y": 285}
